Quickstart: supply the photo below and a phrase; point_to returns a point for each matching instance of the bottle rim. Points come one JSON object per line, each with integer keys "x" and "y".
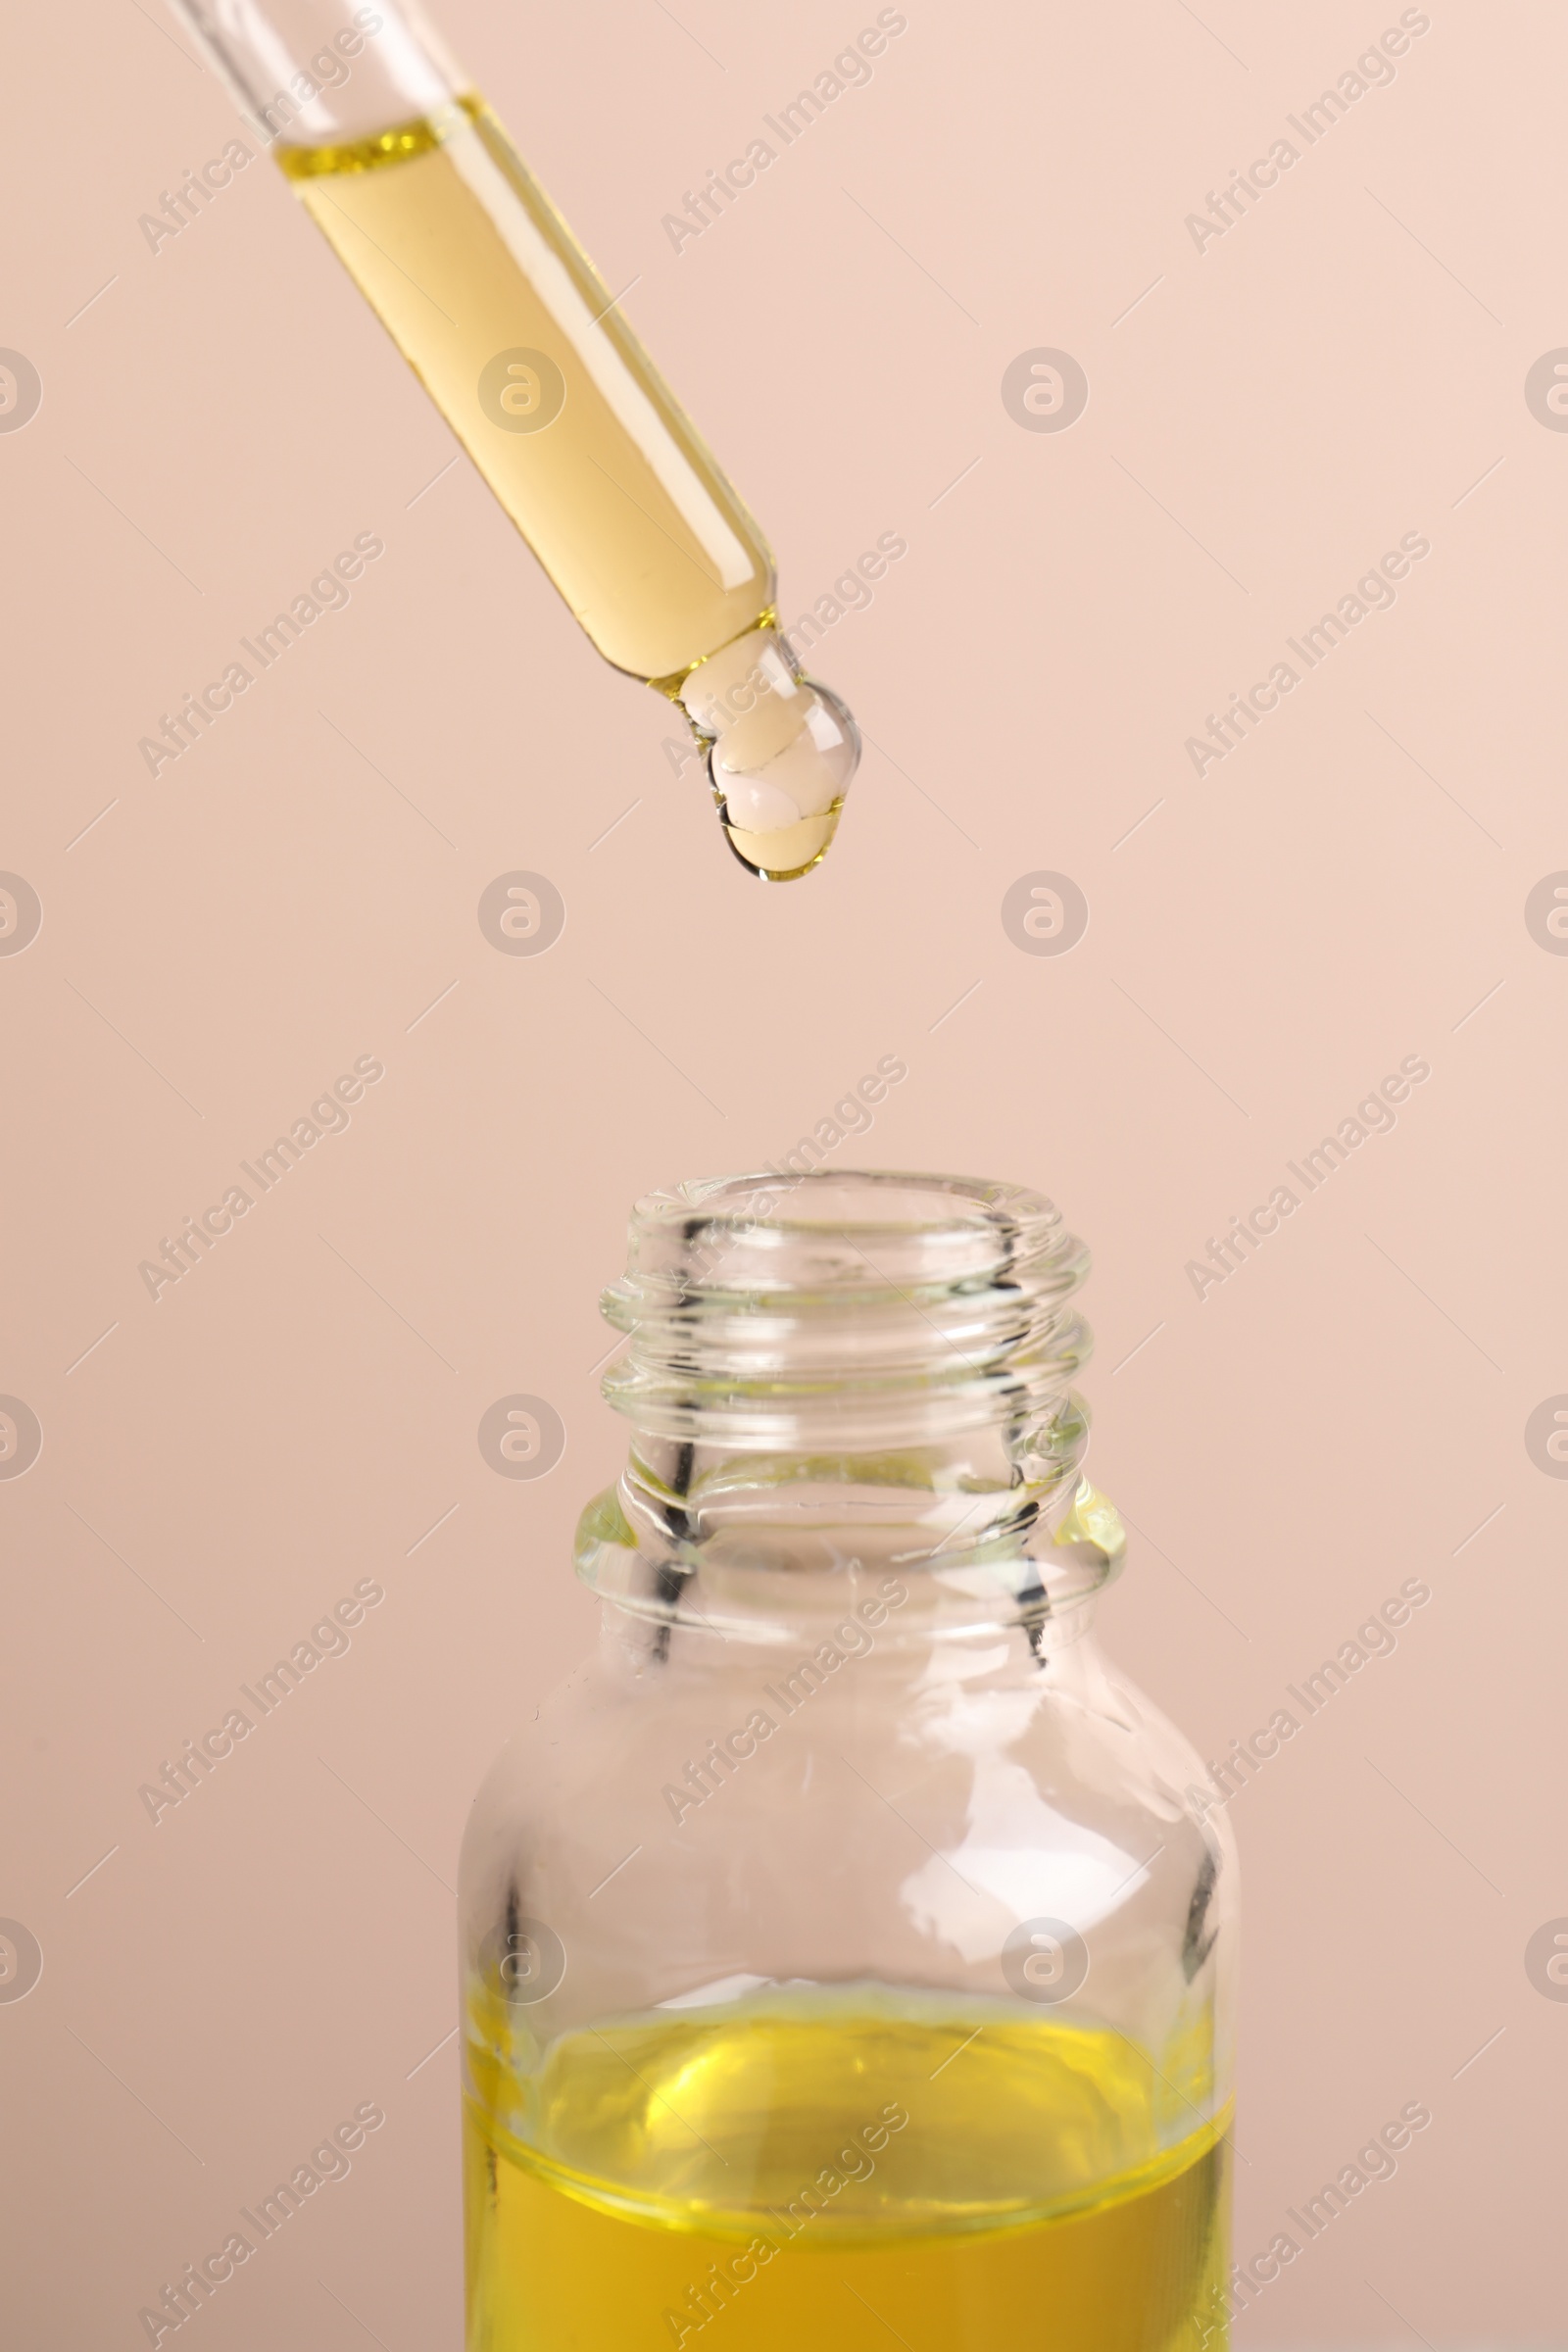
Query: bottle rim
{"x": 857, "y": 1308}
{"x": 849, "y": 1230}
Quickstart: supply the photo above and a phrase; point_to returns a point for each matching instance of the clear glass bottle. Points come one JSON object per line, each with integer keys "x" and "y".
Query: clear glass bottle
{"x": 843, "y": 1952}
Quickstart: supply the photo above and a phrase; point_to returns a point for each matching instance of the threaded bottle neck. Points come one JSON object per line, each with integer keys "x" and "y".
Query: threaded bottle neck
{"x": 843, "y": 1369}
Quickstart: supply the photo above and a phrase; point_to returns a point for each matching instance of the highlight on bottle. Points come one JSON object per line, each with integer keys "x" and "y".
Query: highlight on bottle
{"x": 523, "y": 349}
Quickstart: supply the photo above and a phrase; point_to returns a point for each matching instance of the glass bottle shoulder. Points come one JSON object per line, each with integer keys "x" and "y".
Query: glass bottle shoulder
{"x": 818, "y": 1813}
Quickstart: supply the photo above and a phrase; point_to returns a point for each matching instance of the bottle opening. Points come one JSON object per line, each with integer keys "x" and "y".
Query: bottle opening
{"x": 850, "y": 1230}
{"x": 839, "y": 1370}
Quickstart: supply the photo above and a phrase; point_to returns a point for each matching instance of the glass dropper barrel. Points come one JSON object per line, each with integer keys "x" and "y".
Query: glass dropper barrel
{"x": 515, "y": 336}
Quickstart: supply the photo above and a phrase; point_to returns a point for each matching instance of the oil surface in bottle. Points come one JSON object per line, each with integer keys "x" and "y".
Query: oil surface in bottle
{"x": 517, "y": 340}
{"x": 820, "y": 2173}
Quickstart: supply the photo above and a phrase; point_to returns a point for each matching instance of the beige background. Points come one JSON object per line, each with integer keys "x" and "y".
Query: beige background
{"x": 1344, "y": 366}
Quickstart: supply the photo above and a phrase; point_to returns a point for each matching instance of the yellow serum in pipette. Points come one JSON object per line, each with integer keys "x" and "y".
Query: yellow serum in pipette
{"x": 519, "y": 343}
{"x": 836, "y": 2174}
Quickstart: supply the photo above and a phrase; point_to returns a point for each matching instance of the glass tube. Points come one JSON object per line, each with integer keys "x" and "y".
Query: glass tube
{"x": 516, "y": 337}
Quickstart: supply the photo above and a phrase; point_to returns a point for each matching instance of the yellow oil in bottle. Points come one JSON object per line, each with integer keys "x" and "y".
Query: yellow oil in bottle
{"x": 832, "y": 2173}
{"x": 517, "y": 340}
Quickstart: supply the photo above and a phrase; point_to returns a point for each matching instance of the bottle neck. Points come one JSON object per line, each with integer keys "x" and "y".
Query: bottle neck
{"x": 667, "y": 1596}
{"x": 841, "y": 1382}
